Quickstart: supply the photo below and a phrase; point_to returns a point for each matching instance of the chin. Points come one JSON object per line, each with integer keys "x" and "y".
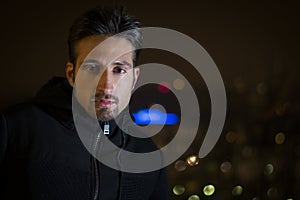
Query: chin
{"x": 105, "y": 114}
{"x": 104, "y": 118}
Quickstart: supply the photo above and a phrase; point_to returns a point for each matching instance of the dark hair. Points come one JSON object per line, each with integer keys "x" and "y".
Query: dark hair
{"x": 105, "y": 21}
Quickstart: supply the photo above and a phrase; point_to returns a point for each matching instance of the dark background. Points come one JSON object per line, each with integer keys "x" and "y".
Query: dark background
{"x": 255, "y": 46}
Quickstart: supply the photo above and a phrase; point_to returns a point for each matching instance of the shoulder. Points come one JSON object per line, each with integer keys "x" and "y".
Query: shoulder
{"x": 16, "y": 124}
{"x": 21, "y": 112}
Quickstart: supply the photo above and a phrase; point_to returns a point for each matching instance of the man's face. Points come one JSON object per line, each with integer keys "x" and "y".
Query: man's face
{"x": 104, "y": 75}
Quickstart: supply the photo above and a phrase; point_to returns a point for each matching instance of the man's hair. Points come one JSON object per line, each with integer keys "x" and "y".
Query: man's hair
{"x": 105, "y": 21}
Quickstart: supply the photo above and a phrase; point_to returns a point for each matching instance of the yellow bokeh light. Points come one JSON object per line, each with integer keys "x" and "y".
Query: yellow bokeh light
{"x": 194, "y": 197}
{"x": 208, "y": 190}
{"x": 231, "y": 137}
{"x": 178, "y": 189}
{"x": 192, "y": 160}
{"x": 237, "y": 190}
{"x": 178, "y": 84}
{"x": 280, "y": 109}
{"x": 280, "y": 138}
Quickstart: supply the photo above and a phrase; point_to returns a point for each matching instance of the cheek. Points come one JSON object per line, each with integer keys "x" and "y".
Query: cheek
{"x": 123, "y": 90}
{"x": 86, "y": 82}
{"x": 124, "y": 93}
{"x": 82, "y": 95}
{"x": 85, "y": 87}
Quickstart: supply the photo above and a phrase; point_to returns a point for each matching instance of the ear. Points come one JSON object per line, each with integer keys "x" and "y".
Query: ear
{"x": 136, "y": 73}
{"x": 70, "y": 73}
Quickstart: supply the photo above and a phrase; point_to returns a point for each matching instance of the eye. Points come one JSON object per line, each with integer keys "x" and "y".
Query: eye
{"x": 119, "y": 70}
{"x": 92, "y": 68}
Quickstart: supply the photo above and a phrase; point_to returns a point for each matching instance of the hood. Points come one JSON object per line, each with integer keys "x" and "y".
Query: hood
{"x": 57, "y": 92}
{"x": 55, "y": 98}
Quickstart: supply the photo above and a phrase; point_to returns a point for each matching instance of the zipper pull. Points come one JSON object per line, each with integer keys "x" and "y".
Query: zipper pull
{"x": 106, "y": 128}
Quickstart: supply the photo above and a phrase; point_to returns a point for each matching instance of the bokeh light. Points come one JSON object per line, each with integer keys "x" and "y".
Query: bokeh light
{"x": 239, "y": 85}
{"x": 178, "y": 84}
{"x": 225, "y": 167}
{"x": 178, "y": 189}
{"x": 280, "y": 138}
{"x": 268, "y": 169}
{"x": 237, "y": 190}
{"x": 281, "y": 108}
{"x": 164, "y": 87}
{"x": 272, "y": 193}
{"x": 208, "y": 190}
{"x": 154, "y": 116}
{"x": 192, "y": 160}
{"x": 194, "y": 197}
{"x": 261, "y": 88}
{"x": 180, "y": 165}
{"x": 247, "y": 151}
{"x": 231, "y": 137}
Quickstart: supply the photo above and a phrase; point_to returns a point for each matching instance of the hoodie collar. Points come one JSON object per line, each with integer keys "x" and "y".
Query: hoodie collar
{"x": 55, "y": 97}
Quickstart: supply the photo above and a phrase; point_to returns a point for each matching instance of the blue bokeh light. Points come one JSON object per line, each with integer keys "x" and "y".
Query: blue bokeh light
{"x": 154, "y": 116}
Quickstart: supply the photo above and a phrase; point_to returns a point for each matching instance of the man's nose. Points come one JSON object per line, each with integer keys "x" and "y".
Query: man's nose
{"x": 105, "y": 82}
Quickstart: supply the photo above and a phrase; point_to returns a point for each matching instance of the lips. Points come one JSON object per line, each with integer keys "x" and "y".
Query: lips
{"x": 103, "y": 102}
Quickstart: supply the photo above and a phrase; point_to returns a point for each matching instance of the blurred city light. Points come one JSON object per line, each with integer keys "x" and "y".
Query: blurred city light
{"x": 154, "y": 116}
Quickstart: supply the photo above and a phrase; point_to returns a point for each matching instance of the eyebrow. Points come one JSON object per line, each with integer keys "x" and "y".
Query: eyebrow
{"x": 91, "y": 61}
{"x": 118, "y": 62}
{"x": 122, "y": 63}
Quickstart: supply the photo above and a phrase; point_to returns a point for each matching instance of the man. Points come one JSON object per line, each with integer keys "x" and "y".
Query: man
{"x": 42, "y": 154}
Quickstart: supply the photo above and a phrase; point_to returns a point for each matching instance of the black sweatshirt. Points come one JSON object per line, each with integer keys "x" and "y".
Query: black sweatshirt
{"x": 42, "y": 156}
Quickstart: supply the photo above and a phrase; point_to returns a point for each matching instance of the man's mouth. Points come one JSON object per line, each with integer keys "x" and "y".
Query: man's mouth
{"x": 103, "y": 103}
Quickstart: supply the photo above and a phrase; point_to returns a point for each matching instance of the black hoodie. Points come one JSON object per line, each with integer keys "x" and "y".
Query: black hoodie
{"x": 42, "y": 156}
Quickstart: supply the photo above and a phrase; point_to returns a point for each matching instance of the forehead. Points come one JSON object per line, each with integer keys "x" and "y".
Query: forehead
{"x": 103, "y": 48}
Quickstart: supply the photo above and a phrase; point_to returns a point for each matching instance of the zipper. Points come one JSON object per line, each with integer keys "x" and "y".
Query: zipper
{"x": 106, "y": 128}
{"x": 96, "y": 165}
{"x": 124, "y": 136}
{"x": 96, "y": 168}
{"x": 96, "y": 147}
